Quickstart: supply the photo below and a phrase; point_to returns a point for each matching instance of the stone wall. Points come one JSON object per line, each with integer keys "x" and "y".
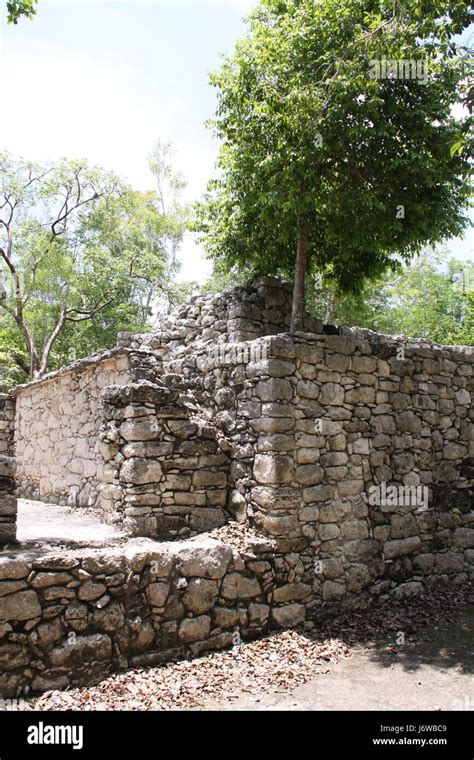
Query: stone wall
{"x": 166, "y": 475}
{"x": 364, "y": 462}
{"x": 344, "y": 457}
{"x": 353, "y": 450}
{"x": 70, "y": 619}
{"x": 243, "y": 314}
{"x": 7, "y": 470}
{"x": 57, "y": 425}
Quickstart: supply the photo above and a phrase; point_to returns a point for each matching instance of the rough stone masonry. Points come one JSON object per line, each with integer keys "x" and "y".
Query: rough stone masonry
{"x": 345, "y": 458}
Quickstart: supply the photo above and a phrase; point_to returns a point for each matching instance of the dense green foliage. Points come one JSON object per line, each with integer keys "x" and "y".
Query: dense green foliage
{"x": 321, "y": 157}
{"x": 432, "y": 298}
{"x": 18, "y": 8}
{"x": 84, "y": 256}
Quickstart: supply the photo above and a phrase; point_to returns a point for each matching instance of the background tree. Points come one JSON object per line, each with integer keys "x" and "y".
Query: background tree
{"x": 83, "y": 256}
{"x": 18, "y": 8}
{"x": 324, "y": 167}
{"x": 176, "y": 216}
{"x": 431, "y": 298}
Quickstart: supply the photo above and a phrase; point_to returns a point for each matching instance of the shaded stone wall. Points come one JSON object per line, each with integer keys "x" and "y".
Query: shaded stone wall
{"x": 57, "y": 425}
{"x": 7, "y": 470}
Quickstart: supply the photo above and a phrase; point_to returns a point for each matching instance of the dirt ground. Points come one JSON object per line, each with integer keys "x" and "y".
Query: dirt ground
{"x": 433, "y": 672}
{"x": 49, "y": 525}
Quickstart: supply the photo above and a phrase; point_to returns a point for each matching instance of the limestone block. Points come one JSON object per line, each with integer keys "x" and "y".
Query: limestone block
{"x": 291, "y": 592}
{"x": 157, "y": 594}
{"x": 140, "y": 471}
{"x": 309, "y": 474}
{"x": 206, "y": 559}
{"x": 327, "y": 532}
{"x": 82, "y": 650}
{"x": 22, "y": 605}
{"x": 140, "y": 430}
{"x": 195, "y": 629}
{"x": 331, "y": 394}
{"x": 288, "y": 616}
{"x": 333, "y": 591}
{"x": 399, "y": 548}
{"x": 274, "y": 389}
{"x": 226, "y": 617}
{"x": 464, "y": 537}
{"x": 236, "y": 586}
{"x": 273, "y": 469}
{"x": 200, "y": 595}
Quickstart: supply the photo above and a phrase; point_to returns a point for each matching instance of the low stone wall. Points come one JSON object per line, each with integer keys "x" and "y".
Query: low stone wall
{"x": 7, "y": 470}
{"x": 72, "y": 618}
{"x": 57, "y": 426}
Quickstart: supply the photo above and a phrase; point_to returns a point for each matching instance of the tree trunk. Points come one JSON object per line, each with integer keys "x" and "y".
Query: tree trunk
{"x": 297, "y": 314}
{"x": 329, "y": 307}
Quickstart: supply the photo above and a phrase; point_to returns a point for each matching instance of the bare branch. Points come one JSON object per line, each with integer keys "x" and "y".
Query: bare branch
{"x": 87, "y": 313}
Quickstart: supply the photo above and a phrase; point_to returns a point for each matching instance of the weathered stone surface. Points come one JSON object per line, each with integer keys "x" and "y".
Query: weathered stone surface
{"x": 450, "y": 562}
{"x": 208, "y": 559}
{"x": 140, "y": 471}
{"x": 274, "y": 389}
{"x": 401, "y": 547}
{"x": 82, "y": 650}
{"x": 236, "y": 586}
{"x": 328, "y": 532}
{"x": 23, "y": 605}
{"x": 464, "y": 537}
{"x": 309, "y": 474}
{"x": 289, "y": 616}
{"x": 291, "y": 592}
{"x": 91, "y": 590}
{"x": 225, "y": 617}
{"x": 273, "y": 469}
{"x": 258, "y": 614}
{"x": 200, "y": 595}
{"x": 333, "y": 591}
{"x": 195, "y": 629}
{"x": 157, "y": 594}
{"x": 331, "y": 394}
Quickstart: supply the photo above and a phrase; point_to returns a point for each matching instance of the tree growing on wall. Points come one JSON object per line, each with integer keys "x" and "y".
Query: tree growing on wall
{"x": 337, "y": 130}
{"x": 77, "y": 246}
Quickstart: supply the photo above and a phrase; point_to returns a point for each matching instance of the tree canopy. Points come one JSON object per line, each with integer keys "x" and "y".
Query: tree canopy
{"x": 337, "y": 130}
{"x": 18, "y": 8}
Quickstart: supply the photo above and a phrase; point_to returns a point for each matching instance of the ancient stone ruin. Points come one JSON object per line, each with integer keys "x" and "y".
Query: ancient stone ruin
{"x": 264, "y": 479}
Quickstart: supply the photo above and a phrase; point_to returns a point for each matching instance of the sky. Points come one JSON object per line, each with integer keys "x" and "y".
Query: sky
{"x": 104, "y": 79}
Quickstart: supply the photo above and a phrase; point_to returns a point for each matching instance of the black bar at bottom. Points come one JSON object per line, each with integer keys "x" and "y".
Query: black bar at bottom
{"x": 155, "y": 734}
